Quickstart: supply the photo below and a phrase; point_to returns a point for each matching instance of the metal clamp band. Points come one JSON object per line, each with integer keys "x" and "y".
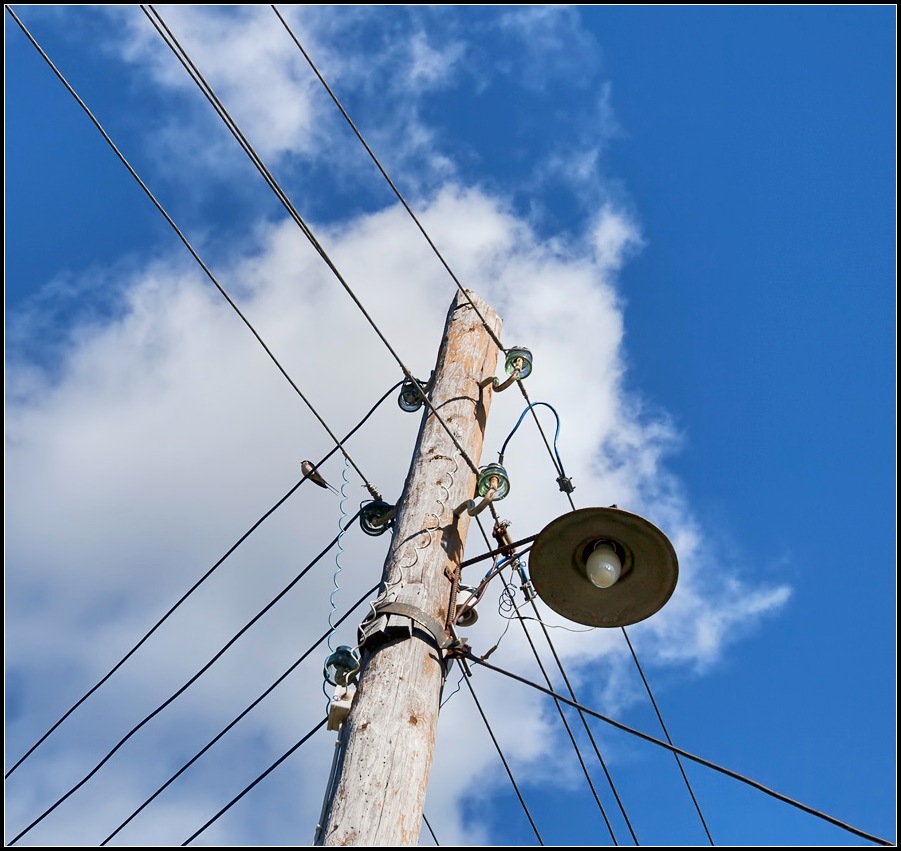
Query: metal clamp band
{"x": 430, "y": 624}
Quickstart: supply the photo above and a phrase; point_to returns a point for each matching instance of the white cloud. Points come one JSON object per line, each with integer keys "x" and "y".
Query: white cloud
{"x": 232, "y": 48}
{"x": 556, "y": 43}
{"x": 430, "y": 65}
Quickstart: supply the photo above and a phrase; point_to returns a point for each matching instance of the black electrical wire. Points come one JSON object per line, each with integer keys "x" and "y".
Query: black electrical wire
{"x": 507, "y": 549}
{"x": 211, "y": 96}
{"x": 691, "y": 793}
{"x": 575, "y": 745}
{"x": 666, "y": 733}
{"x": 647, "y": 686}
{"x": 734, "y": 775}
{"x": 229, "y": 726}
{"x": 400, "y": 197}
{"x": 193, "y": 679}
{"x": 190, "y": 248}
{"x": 422, "y": 230}
{"x": 573, "y": 696}
{"x": 501, "y": 755}
{"x": 584, "y": 722}
{"x": 643, "y": 678}
{"x": 234, "y": 306}
{"x": 191, "y": 590}
{"x": 432, "y": 832}
{"x": 268, "y": 771}
{"x": 631, "y": 648}
{"x": 569, "y": 731}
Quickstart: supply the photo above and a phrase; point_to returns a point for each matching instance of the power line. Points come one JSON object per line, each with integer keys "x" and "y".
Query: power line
{"x": 666, "y": 733}
{"x": 432, "y": 832}
{"x": 584, "y": 722}
{"x": 190, "y": 248}
{"x": 734, "y": 775}
{"x": 407, "y": 372}
{"x": 418, "y": 224}
{"x": 571, "y": 735}
{"x": 561, "y": 480}
{"x": 554, "y": 454}
{"x": 569, "y": 731}
{"x": 191, "y": 590}
{"x": 638, "y": 665}
{"x": 246, "y": 789}
{"x": 400, "y": 197}
{"x": 176, "y": 694}
{"x": 229, "y": 726}
{"x": 211, "y": 96}
{"x": 503, "y": 759}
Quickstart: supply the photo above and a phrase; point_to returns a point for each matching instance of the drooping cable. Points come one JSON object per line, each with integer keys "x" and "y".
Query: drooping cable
{"x": 211, "y": 96}
{"x": 503, "y": 759}
{"x": 180, "y": 691}
{"x": 250, "y": 786}
{"x": 572, "y": 738}
{"x": 250, "y": 707}
{"x": 191, "y": 590}
{"x": 190, "y": 248}
{"x": 413, "y": 216}
{"x": 734, "y": 775}
{"x": 531, "y": 407}
{"x": 562, "y": 478}
{"x": 631, "y": 648}
{"x": 563, "y": 718}
{"x": 666, "y": 733}
{"x": 519, "y": 422}
{"x": 572, "y": 694}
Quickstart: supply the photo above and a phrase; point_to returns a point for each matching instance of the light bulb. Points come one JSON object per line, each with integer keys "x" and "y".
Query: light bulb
{"x": 603, "y": 565}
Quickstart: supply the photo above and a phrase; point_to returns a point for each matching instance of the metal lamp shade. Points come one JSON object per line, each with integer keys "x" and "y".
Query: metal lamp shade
{"x": 558, "y": 572}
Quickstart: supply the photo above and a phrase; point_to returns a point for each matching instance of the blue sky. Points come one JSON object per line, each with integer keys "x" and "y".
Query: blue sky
{"x": 686, "y": 213}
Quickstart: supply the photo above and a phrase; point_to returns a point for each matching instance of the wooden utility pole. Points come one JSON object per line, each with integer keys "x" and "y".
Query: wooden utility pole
{"x": 385, "y": 745}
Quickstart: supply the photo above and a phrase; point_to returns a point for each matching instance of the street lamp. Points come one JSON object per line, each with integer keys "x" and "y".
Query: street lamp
{"x": 603, "y": 567}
